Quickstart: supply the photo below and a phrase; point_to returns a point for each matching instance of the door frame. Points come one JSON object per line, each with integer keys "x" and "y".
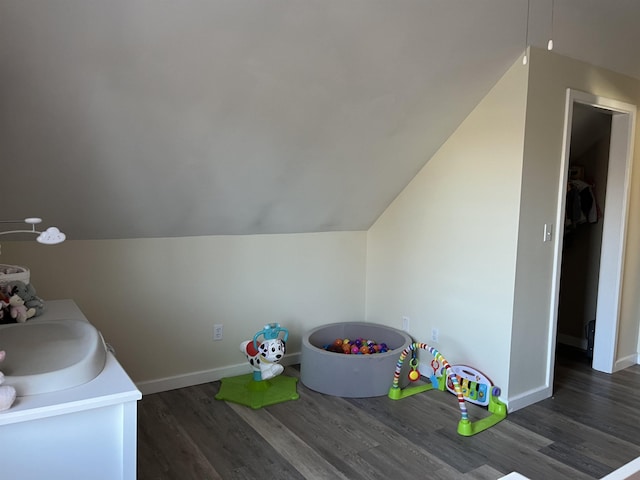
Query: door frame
{"x": 614, "y": 228}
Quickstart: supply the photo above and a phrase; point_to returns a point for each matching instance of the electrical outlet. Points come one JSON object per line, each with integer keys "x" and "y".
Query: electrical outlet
{"x": 217, "y": 332}
{"x": 435, "y": 334}
{"x": 405, "y": 323}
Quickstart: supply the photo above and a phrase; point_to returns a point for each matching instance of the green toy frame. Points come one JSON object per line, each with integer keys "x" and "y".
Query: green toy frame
{"x": 466, "y": 427}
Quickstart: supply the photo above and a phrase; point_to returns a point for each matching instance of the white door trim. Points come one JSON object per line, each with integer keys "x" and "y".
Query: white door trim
{"x": 614, "y": 228}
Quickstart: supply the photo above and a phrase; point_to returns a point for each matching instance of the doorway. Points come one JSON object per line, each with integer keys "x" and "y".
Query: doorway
{"x": 606, "y": 250}
{"x": 583, "y": 226}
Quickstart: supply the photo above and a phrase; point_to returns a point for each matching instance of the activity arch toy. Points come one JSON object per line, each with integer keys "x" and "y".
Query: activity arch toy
{"x": 448, "y": 377}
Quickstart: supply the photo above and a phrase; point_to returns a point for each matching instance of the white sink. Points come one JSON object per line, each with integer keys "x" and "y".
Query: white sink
{"x": 51, "y": 355}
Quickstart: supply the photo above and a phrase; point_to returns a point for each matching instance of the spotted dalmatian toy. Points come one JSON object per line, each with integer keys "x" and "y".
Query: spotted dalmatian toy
{"x": 264, "y": 360}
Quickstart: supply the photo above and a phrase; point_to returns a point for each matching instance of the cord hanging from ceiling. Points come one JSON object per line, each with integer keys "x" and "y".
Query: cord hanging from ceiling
{"x": 526, "y": 36}
{"x": 550, "y": 42}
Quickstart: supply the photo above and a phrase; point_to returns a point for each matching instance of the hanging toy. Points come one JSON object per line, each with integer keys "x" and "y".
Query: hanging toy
{"x": 414, "y": 374}
{"x": 435, "y": 366}
{"x": 477, "y": 386}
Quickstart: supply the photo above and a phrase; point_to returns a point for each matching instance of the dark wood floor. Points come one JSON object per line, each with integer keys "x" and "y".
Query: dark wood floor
{"x": 588, "y": 429}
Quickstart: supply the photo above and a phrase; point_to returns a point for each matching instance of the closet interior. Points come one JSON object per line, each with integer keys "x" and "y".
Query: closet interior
{"x": 585, "y": 200}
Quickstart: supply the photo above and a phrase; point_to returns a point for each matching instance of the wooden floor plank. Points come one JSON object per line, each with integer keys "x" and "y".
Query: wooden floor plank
{"x": 352, "y": 435}
{"x": 231, "y": 445}
{"x": 585, "y": 431}
{"x": 299, "y": 454}
{"x": 567, "y": 455}
{"x": 173, "y": 454}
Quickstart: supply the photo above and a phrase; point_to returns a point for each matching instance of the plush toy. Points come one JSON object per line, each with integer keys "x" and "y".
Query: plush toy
{"x": 26, "y": 292}
{"x": 7, "y": 392}
{"x": 18, "y": 311}
{"x": 4, "y": 307}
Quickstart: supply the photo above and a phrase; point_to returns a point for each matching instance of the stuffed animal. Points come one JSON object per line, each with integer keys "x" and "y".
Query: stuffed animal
{"x": 18, "y": 311}
{"x": 7, "y": 392}
{"x": 26, "y": 292}
{"x": 4, "y": 304}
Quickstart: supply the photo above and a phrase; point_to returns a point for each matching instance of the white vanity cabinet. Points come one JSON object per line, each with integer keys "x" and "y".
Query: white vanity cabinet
{"x": 83, "y": 433}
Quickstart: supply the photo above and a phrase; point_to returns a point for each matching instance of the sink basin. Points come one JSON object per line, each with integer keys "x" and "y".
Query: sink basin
{"x": 50, "y": 355}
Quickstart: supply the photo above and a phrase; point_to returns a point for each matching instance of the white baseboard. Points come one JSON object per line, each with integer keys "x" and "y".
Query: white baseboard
{"x": 625, "y": 362}
{"x": 205, "y": 376}
{"x": 528, "y": 398}
{"x": 626, "y": 471}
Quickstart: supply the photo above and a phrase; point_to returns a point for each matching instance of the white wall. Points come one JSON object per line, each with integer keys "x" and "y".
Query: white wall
{"x": 156, "y": 300}
{"x": 550, "y": 76}
{"x": 449, "y": 253}
{"x": 444, "y": 252}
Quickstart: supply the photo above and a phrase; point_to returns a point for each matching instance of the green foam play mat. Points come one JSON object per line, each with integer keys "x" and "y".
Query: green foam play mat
{"x": 244, "y": 390}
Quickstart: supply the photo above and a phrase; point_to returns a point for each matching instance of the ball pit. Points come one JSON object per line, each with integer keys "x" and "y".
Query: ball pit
{"x": 356, "y": 374}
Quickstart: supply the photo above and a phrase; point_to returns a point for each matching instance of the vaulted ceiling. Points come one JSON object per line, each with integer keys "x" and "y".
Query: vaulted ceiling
{"x": 146, "y": 118}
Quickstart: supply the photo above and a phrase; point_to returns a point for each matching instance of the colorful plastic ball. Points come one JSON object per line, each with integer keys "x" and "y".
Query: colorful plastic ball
{"x": 414, "y": 375}
{"x": 357, "y": 346}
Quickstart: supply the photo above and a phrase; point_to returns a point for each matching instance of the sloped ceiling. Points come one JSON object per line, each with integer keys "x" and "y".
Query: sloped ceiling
{"x": 146, "y": 118}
